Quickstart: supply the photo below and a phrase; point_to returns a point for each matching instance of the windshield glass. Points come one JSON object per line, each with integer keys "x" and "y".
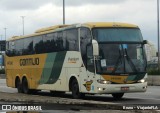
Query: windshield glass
{"x": 121, "y": 58}
{"x": 117, "y": 34}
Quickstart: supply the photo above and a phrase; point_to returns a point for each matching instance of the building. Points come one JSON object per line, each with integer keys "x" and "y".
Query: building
{"x": 151, "y": 53}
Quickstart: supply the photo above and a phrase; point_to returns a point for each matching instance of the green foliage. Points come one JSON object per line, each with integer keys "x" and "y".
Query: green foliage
{"x": 2, "y": 71}
{"x": 153, "y": 72}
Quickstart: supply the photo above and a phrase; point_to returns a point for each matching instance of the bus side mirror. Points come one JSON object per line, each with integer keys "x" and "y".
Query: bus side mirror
{"x": 95, "y": 48}
{"x": 145, "y": 42}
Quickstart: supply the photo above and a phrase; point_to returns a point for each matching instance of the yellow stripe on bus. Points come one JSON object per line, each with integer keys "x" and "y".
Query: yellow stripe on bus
{"x": 117, "y": 79}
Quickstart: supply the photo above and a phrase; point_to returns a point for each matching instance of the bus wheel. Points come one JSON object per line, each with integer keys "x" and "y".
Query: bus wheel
{"x": 117, "y": 95}
{"x": 19, "y": 85}
{"x": 75, "y": 90}
{"x": 25, "y": 88}
{"x": 33, "y": 91}
{"x": 57, "y": 93}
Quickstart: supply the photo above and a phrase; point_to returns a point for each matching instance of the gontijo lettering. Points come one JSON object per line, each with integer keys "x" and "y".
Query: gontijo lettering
{"x": 29, "y": 61}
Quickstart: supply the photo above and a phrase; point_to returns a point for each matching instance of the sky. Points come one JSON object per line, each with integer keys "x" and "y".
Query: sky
{"x": 43, "y": 13}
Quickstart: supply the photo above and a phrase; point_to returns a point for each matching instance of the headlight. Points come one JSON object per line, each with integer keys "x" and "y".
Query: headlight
{"x": 142, "y": 80}
{"x": 103, "y": 81}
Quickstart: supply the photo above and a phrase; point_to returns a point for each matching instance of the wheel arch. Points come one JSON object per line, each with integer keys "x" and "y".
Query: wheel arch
{"x": 24, "y": 77}
{"x": 70, "y": 82}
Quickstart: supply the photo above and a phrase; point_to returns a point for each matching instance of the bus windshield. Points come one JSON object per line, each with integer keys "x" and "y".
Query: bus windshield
{"x": 117, "y": 34}
{"x": 122, "y": 57}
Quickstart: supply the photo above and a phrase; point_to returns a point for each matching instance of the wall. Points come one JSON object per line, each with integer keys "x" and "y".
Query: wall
{"x": 153, "y": 80}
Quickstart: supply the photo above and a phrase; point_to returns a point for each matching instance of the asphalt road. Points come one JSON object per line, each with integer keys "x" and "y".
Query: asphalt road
{"x": 152, "y": 96}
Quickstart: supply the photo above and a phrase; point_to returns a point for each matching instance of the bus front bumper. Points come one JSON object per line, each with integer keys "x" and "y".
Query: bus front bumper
{"x": 121, "y": 88}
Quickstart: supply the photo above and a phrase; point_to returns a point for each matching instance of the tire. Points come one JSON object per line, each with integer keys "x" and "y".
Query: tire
{"x": 19, "y": 86}
{"x": 25, "y": 87}
{"x": 117, "y": 95}
{"x": 33, "y": 91}
{"x": 75, "y": 90}
{"x": 57, "y": 93}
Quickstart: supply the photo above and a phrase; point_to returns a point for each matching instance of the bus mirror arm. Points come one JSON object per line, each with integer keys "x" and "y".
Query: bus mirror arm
{"x": 145, "y": 42}
{"x": 95, "y": 48}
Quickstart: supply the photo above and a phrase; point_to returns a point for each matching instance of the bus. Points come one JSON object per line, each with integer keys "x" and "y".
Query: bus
{"x": 88, "y": 58}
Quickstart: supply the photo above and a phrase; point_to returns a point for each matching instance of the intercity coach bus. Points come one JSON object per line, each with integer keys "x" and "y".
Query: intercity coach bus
{"x": 89, "y": 58}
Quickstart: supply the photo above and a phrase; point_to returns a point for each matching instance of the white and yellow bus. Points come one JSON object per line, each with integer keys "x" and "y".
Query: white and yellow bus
{"x": 89, "y": 58}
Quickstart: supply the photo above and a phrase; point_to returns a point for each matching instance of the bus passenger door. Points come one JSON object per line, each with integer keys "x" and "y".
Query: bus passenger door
{"x": 87, "y": 69}
{"x": 90, "y": 61}
{"x": 90, "y": 76}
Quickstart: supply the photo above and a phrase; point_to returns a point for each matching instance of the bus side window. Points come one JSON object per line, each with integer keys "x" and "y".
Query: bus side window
{"x": 72, "y": 40}
{"x": 19, "y": 47}
{"x": 12, "y": 48}
{"x": 28, "y": 46}
{"x": 38, "y": 44}
{"x": 85, "y": 39}
{"x": 59, "y": 42}
{"x": 7, "y": 49}
{"x": 49, "y": 43}
{"x": 64, "y": 40}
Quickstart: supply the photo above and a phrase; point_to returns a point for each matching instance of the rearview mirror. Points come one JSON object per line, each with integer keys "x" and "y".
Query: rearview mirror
{"x": 145, "y": 42}
{"x": 95, "y": 48}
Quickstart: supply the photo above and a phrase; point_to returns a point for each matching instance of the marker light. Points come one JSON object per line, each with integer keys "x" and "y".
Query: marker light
{"x": 103, "y": 81}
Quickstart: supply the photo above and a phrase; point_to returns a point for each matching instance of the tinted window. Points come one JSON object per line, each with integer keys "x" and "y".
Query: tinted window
{"x": 85, "y": 39}
{"x": 90, "y": 61}
{"x": 72, "y": 40}
{"x": 117, "y": 34}
{"x": 64, "y": 40}
{"x": 52, "y": 42}
{"x": 59, "y": 42}
{"x": 38, "y": 44}
{"x": 48, "y": 40}
{"x": 28, "y": 46}
{"x": 18, "y": 47}
{"x": 12, "y": 48}
{"x": 7, "y": 49}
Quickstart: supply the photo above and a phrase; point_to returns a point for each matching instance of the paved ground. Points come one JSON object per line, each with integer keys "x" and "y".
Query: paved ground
{"x": 152, "y": 96}
{"x": 2, "y": 76}
{"x": 102, "y": 102}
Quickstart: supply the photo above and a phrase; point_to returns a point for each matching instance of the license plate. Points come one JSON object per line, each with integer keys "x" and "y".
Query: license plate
{"x": 124, "y": 88}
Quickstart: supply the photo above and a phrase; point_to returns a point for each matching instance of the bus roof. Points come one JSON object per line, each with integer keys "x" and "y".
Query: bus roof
{"x": 109, "y": 24}
{"x": 63, "y": 27}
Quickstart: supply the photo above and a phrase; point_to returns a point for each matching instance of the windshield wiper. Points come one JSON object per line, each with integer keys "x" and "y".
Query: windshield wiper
{"x": 119, "y": 60}
{"x": 130, "y": 62}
